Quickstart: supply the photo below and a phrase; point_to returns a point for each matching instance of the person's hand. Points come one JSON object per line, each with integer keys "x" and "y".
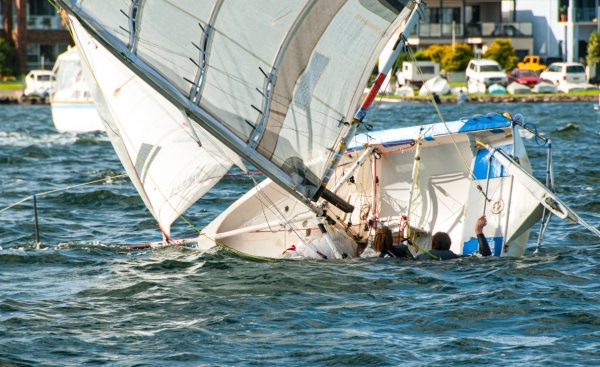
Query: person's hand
{"x": 481, "y": 222}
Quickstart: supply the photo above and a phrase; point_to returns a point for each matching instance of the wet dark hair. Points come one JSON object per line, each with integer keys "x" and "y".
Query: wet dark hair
{"x": 383, "y": 240}
{"x": 441, "y": 241}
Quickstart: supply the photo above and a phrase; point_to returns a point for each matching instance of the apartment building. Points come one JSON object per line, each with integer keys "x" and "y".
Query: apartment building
{"x": 561, "y": 27}
{"x": 475, "y": 22}
{"x": 35, "y": 29}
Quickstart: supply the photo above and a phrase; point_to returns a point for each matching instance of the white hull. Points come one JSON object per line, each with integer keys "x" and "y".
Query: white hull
{"x": 444, "y": 198}
{"x": 76, "y": 117}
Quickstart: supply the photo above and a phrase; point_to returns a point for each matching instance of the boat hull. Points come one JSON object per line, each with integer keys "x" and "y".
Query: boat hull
{"x": 76, "y": 117}
{"x": 443, "y": 190}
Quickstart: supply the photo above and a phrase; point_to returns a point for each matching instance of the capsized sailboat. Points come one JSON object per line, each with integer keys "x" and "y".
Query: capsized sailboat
{"x": 73, "y": 109}
{"x": 188, "y": 90}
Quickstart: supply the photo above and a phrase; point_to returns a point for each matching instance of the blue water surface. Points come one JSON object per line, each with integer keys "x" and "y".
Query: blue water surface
{"x": 84, "y": 300}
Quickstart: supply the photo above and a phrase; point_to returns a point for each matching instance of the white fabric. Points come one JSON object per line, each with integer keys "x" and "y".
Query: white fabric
{"x": 333, "y": 47}
{"x": 153, "y": 138}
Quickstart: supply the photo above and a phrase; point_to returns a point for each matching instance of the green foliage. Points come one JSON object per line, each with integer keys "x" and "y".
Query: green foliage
{"x": 436, "y": 52}
{"x": 7, "y": 58}
{"x": 458, "y": 59}
{"x": 593, "y": 49}
{"x": 503, "y": 53}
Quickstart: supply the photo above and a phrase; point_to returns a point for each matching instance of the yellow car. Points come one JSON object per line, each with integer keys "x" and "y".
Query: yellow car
{"x": 531, "y": 63}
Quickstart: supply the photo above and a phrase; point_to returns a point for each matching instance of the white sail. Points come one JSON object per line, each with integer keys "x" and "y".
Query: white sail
{"x": 275, "y": 80}
{"x": 171, "y": 162}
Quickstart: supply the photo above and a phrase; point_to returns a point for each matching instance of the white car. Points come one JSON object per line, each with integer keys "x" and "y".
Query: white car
{"x": 564, "y": 72}
{"x": 39, "y": 83}
{"x": 485, "y": 72}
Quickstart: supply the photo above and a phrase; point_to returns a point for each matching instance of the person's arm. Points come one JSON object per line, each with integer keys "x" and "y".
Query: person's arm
{"x": 484, "y": 247}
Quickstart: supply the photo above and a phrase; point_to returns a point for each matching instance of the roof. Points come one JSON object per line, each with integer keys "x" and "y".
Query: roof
{"x": 484, "y": 62}
{"x": 41, "y": 72}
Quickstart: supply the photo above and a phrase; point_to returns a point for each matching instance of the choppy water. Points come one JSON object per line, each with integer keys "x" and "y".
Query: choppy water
{"x": 83, "y": 300}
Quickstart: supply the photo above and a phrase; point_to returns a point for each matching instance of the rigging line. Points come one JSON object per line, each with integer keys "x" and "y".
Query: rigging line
{"x": 282, "y": 217}
{"x": 439, "y": 113}
{"x": 61, "y": 189}
{"x": 325, "y": 114}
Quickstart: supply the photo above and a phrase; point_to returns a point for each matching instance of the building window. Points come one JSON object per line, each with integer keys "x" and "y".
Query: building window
{"x": 43, "y": 56}
{"x": 585, "y": 10}
{"x": 40, "y": 8}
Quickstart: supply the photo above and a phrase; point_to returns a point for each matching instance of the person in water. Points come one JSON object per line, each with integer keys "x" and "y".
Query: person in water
{"x": 383, "y": 243}
{"x": 440, "y": 244}
{"x": 462, "y": 97}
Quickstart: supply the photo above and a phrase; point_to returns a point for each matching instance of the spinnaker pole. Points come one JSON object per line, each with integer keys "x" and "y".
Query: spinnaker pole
{"x": 411, "y": 22}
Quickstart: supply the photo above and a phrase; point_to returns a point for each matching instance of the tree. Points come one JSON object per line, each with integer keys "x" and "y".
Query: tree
{"x": 436, "y": 52}
{"x": 502, "y": 51}
{"x": 593, "y": 49}
{"x": 457, "y": 59}
{"x": 7, "y": 58}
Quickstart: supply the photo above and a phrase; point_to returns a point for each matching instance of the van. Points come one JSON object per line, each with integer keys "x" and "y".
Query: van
{"x": 417, "y": 72}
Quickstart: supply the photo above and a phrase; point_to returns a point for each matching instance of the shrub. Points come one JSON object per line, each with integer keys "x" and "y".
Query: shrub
{"x": 593, "y": 49}
{"x": 503, "y": 53}
{"x": 436, "y": 52}
{"x": 458, "y": 59}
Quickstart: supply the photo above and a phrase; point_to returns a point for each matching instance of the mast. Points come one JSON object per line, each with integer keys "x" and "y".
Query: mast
{"x": 362, "y": 111}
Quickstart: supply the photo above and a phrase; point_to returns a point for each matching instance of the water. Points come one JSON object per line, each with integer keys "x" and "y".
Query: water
{"x": 84, "y": 300}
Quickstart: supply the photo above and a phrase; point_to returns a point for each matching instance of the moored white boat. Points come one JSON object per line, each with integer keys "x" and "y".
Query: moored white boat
{"x": 437, "y": 85}
{"x": 517, "y": 88}
{"x": 73, "y": 109}
{"x": 544, "y": 87}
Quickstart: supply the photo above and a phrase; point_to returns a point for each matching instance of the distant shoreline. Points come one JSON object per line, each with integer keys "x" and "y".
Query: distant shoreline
{"x": 504, "y": 98}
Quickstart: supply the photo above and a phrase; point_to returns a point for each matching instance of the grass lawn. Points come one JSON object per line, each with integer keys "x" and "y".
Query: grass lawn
{"x": 13, "y": 84}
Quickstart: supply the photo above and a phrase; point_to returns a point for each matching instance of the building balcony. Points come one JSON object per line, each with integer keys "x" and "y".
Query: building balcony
{"x": 480, "y": 29}
{"x": 35, "y": 22}
{"x": 585, "y": 15}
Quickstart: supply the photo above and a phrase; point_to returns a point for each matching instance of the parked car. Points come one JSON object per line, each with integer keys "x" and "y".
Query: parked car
{"x": 39, "y": 83}
{"x": 485, "y": 71}
{"x": 531, "y": 63}
{"x": 524, "y": 76}
{"x": 564, "y": 72}
{"x": 417, "y": 72}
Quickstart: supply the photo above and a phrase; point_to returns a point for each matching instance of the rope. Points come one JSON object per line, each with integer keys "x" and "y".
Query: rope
{"x": 61, "y": 189}
{"x": 443, "y": 121}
